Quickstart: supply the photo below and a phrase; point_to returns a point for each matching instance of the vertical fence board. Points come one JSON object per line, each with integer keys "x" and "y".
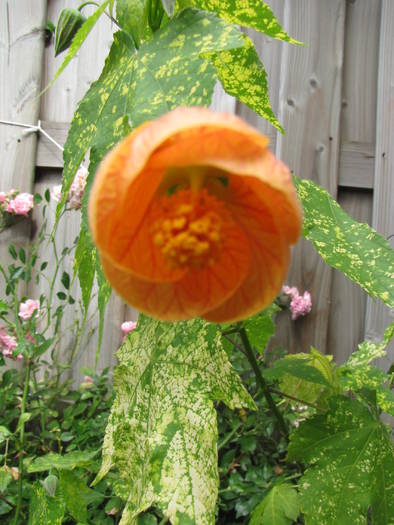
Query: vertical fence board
{"x": 21, "y": 51}
{"x": 309, "y": 110}
{"x": 358, "y": 122}
{"x": 378, "y": 315}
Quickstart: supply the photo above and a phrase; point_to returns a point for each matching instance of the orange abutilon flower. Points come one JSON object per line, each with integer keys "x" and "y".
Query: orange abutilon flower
{"x": 193, "y": 217}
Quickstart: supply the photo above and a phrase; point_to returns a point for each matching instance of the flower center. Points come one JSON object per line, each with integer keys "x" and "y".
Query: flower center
{"x": 187, "y": 227}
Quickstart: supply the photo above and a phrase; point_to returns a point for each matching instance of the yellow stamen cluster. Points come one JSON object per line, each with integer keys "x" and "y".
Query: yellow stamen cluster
{"x": 187, "y": 228}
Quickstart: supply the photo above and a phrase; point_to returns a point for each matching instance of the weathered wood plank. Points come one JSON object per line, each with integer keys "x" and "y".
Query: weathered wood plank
{"x": 356, "y": 166}
{"x": 309, "y": 110}
{"x": 48, "y": 155}
{"x": 378, "y": 315}
{"x": 348, "y": 300}
{"x": 21, "y": 53}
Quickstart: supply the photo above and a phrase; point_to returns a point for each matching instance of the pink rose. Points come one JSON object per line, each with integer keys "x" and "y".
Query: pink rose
{"x": 3, "y": 196}
{"x": 21, "y": 204}
{"x": 27, "y": 309}
{"x": 7, "y": 343}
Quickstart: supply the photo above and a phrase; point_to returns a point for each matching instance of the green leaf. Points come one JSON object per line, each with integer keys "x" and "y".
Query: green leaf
{"x": 162, "y": 431}
{"x": 5, "y": 479}
{"x": 12, "y": 251}
{"x": 359, "y": 374}
{"x": 131, "y": 16}
{"x": 4, "y": 433}
{"x": 85, "y": 262}
{"x": 22, "y": 255}
{"x": 249, "y": 13}
{"x": 382, "y": 490}
{"x": 69, "y": 461}
{"x": 50, "y": 485}
{"x": 103, "y": 295}
{"x": 23, "y": 418}
{"x": 345, "y": 449}
{"x": 279, "y": 507}
{"x": 78, "y": 40}
{"x": 261, "y": 327}
{"x": 65, "y": 280}
{"x": 44, "y": 509}
{"x": 243, "y": 76}
{"x": 345, "y": 244}
{"x": 76, "y": 494}
{"x": 170, "y": 70}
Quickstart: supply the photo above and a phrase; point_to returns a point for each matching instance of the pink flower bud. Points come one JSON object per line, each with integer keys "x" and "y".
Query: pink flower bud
{"x": 27, "y": 309}
{"x": 87, "y": 379}
{"x": 128, "y": 326}
{"x": 77, "y": 188}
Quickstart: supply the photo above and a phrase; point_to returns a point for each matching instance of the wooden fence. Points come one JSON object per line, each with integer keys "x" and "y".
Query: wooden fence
{"x": 334, "y": 96}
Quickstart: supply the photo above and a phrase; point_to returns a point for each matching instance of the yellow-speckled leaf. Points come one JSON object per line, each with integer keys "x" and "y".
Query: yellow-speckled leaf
{"x": 44, "y": 508}
{"x": 345, "y": 244}
{"x": 249, "y": 13}
{"x": 243, "y": 76}
{"x": 348, "y": 454}
{"x": 358, "y": 373}
{"x": 170, "y": 69}
{"x": 162, "y": 431}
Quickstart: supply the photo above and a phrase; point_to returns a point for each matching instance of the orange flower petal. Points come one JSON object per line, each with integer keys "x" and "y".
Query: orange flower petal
{"x": 198, "y": 291}
{"x": 269, "y": 255}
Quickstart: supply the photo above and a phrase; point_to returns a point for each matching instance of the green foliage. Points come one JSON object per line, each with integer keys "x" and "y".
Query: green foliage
{"x": 162, "y": 430}
{"x": 243, "y": 76}
{"x": 129, "y": 14}
{"x": 67, "y": 462}
{"x": 261, "y": 327}
{"x": 249, "y": 13}
{"x": 279, "y": 507}
{"x": 345, "y": 244}
{"x": 170, "y": 70}
{"x": 44, "y": 508}
{"x": 347, "y": 451}
{"x": 359, "y": 375}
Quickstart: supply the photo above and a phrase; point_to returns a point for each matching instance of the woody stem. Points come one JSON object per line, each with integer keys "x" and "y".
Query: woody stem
{"x": 261, "y": 381}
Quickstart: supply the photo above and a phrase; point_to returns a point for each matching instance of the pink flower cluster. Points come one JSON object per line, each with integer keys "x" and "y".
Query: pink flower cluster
{"x": 8, "y": 344}
{"x": 127, "y": 327}
{"x": 27, "y": 309}
{"x": 16, "y": 203}
{"x": 300, "y": 304}
{"x": 76, "y": 190}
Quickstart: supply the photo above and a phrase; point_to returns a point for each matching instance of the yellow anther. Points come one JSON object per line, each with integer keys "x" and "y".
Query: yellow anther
{"x": 187, "y": 228}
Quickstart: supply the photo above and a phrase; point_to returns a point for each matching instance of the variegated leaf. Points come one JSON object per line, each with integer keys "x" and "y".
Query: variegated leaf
{"x": 250, "y": 13}
{"x": 162, "y": 430}
{"x": 348, "y": 452}
{"x": 243, "y": 76}
{"x": 358, "y": 373}
{"x": 345, "y": 244}
{"x": 170, "y": 69}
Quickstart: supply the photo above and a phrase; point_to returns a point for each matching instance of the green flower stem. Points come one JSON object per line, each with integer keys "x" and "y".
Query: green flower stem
{"x": 105, "y": 12}
{"x": 261, "y": 382}
{"x": 22, "y": 443}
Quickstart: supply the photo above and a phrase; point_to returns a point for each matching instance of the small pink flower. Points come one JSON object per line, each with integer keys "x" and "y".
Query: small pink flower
{"x": 3, "y": 197}
{"x": 77, "y": 188}
{"x": 7, "y": 343}
{"x": 291, "y": 291}
{"x": 300, "y": 304}
{"x": 87, "y": 379}
{"x": 127, "y": 327}
{"x": 56, "y": 193}
{"x": 27, "y": 309}
{"x": 21, "y": 204}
